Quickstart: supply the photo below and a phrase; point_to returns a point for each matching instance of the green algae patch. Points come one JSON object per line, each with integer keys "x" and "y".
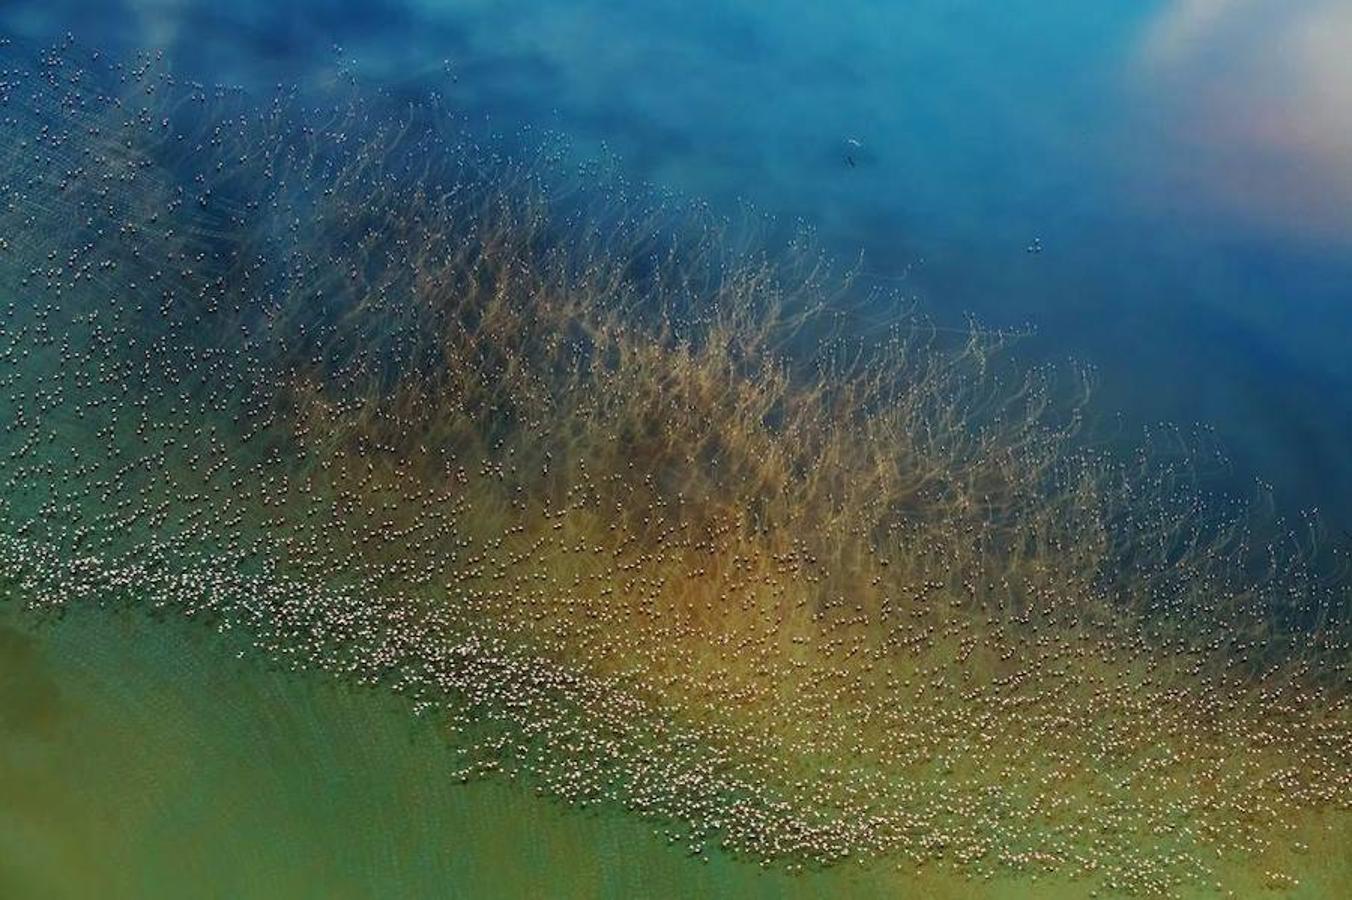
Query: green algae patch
{"x": 143, "y": 759}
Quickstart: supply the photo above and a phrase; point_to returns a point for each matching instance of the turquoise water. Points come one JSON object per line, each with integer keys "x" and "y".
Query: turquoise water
{"x": 1182, "y": 164}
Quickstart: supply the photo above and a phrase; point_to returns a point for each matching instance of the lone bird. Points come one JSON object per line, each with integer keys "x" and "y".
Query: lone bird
{"x": 853, "y": 144}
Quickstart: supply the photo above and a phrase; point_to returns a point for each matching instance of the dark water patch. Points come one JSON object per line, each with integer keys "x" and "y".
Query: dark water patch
{"x": 30, "y": 697}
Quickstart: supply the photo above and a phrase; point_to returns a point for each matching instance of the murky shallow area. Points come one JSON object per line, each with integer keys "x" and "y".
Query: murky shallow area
{"x": 143, "y": 759}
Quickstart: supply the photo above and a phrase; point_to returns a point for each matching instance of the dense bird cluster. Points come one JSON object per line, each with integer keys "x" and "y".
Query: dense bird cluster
{"x": 618, "y": 498}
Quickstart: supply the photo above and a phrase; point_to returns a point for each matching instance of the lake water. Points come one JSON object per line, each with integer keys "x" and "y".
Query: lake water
{"x": 139, "y": 760}
{"x": 1161, "y": 191}
{"x": 1182, "y": 165}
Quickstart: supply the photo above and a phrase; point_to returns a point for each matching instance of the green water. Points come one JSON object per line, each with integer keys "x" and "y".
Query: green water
{"x": 139, "y": 760}
{"x": 143, "y": 759}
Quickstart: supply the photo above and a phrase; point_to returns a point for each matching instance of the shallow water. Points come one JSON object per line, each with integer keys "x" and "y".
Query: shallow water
{"x": 1121, "y": 178}
{"x": 143, "y": 758}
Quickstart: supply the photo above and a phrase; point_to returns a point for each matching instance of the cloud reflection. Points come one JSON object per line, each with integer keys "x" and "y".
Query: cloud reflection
{"x": 1257, "y": 100}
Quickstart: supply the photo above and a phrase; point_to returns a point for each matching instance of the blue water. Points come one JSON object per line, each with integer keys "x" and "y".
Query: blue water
{"x": 1160, "y": 189}
{"x": 1179, "y": 166}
